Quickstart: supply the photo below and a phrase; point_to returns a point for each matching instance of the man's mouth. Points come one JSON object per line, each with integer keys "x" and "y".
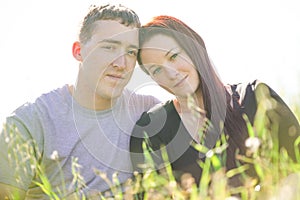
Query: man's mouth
{"x": 115, "y": 76}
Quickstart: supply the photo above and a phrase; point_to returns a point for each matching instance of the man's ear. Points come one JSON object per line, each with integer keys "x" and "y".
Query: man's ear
{"x": 76, "y": 50}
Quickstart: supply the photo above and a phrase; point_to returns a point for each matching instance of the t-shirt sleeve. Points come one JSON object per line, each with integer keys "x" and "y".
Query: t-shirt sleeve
{"x": 17, "y": 155}
{"x": 150, "y": 102}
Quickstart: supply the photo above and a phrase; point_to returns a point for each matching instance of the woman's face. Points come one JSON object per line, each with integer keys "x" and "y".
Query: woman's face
{"x": 169, "y": 65}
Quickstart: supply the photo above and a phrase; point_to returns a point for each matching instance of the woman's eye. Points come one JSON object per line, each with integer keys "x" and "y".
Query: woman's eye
{"x": 174, "y": 56}
{"x": 156, "y": 71}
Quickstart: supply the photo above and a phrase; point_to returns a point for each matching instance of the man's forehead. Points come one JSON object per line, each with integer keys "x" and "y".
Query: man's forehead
{"x": 113, "y": 30}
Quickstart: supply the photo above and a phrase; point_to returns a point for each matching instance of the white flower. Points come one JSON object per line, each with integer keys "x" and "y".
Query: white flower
{"x": 54, "y": 155}
{"x": 252, "y": 143}
{"x": 210, "y": 154}
{"x": 232, "y": 198}
{"x": 257, "y": 188}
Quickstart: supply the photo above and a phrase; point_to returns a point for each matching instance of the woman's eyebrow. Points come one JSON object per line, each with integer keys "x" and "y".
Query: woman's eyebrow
{"x": 151, "y": 66}
{"x": 170, "y": 51}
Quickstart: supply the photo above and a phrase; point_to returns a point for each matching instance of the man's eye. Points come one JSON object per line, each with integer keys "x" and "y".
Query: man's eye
{"x": 108, "y": 47}
{"x": 132, "y": 52}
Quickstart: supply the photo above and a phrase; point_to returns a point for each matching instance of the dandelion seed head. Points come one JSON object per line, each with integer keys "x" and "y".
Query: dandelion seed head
{"x": 25, "y": 170}
{"x": 257, "y": 188}
{"x": 115, "y": 175}
{"x": 209, "y": 154}
{"x": 172, "y": 184}
{"x": 18, "y": 180}
{"x": 218, "y": 150}
{"x": 187, "y": 181}
{"x": 232, "y": 198}
{"x": 252, "y": 143}
{"x": 103, "y": 175}
{"x": 54, "y": 155}
{"x": 32, "y": 167}
{"x": 135, "y": 173}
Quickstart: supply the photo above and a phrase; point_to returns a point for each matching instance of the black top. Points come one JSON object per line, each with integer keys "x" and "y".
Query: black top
{"x": 166, "y": 129}
{"x": 162, "y": 125}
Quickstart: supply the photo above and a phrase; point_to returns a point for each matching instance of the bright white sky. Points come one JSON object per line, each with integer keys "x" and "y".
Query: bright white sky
{"x": 245, "y": 39}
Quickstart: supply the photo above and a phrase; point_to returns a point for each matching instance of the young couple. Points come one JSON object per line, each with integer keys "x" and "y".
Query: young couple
{"x": 92, "y": 124}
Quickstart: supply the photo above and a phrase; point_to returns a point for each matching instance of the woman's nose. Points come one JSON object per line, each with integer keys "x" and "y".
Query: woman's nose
{"x": 171, "y": 72}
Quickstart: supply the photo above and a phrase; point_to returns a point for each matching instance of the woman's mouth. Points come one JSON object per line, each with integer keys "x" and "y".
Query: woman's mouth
{"x": 179, "y": 83}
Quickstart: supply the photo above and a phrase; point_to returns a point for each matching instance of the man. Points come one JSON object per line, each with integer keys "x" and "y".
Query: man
{"x": 74, "y": 139}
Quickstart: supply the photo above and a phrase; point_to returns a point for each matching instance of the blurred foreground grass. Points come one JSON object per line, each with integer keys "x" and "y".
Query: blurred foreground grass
{"x": 278, "y": 174}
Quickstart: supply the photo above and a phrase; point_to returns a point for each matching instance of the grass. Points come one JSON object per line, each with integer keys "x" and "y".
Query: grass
{"x": 278, "y": 174}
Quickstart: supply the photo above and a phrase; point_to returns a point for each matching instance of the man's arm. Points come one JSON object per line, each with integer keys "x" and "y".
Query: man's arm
{"x": 16, "y": 164}
{"x": 287, "y": 125}
{"x": 10, "y": 192}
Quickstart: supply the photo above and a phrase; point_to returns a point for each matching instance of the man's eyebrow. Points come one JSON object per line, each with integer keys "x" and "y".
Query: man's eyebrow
{"x": 110, "y": 41}
{"x": 133, "y": 46}
{"x": 117, "y": 42}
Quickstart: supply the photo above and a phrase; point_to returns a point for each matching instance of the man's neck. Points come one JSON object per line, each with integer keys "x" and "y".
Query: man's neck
{"x": 89, "y": 100}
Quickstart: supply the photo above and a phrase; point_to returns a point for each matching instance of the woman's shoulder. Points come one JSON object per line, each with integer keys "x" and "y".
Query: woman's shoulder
{"x": 167, "y": 106}
{"x": 157, "y": 111}
{"x": 156, "y": 118}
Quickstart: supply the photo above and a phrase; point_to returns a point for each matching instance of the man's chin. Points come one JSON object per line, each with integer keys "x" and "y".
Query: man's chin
{"x": 114, "y": 94}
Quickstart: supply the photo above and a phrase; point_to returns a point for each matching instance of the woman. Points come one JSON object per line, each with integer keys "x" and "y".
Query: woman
{"x": 175, "y": 57}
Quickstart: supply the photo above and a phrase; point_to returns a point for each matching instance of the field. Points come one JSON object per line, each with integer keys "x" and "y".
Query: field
{"x": 278, "y": 175}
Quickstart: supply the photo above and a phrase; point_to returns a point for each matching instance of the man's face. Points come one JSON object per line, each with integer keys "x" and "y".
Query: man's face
{"x": 108, "y": 58}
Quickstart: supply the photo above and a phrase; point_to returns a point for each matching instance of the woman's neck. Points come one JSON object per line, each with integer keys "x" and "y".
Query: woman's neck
{"x": 192, "y": 114}
{"x": 189, "y": 103}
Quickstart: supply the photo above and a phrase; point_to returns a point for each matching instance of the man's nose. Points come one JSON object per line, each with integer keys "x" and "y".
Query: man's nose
{"x": 120, "y": 62}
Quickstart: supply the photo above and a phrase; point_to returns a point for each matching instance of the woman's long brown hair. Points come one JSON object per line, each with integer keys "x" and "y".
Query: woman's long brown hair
{"x": 215, "y": 96}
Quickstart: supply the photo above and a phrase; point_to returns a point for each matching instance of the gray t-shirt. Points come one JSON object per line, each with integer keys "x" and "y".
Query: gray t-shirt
{"x": 55, "y": 131}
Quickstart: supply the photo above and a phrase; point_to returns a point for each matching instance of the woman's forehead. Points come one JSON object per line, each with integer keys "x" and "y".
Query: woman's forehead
{"x": 160, "y": 42}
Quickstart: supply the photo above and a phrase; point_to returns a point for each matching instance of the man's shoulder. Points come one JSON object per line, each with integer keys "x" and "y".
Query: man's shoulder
{"x": 39, "y": 104}
{"x": 127, "y": 92}
{"x": 135, "y": 98}
{"x": 53, "y": 95}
